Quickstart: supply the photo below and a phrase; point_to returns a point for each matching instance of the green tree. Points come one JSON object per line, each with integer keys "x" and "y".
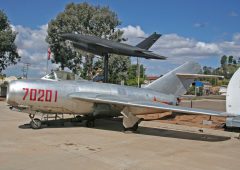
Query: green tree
{"x": 230, "y": 60}
{"x": 207, "y": 70}
{"x": 223, "y": 60}
{"x": 8, "y": 49}
{"x": 234, "y": 61}
{"x": 118, "y": 68}
{"x": 132, "y": 75}
{"x": 80, "y": 18}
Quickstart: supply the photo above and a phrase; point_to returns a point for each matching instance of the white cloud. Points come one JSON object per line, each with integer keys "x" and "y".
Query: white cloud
{"x": 133, "y": 34}
{"x": 233, "y": 14}
{"x": 33, "y": 49}
{"x": 236, "y": 37}
{"x": 180, "y": 49}
{"x": 131, "y": 31}
{"x": 200, "y": 25}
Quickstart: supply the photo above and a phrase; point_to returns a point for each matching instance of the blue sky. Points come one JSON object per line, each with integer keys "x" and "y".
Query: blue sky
{"x": 200, "y": 25}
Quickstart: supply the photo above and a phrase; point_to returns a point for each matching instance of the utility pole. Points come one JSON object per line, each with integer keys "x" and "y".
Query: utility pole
{"x": 23, "y": 72}
{"x": 138, "y": 71}
{"x": 25, "y": 69}
{"x": 27, "y": 65}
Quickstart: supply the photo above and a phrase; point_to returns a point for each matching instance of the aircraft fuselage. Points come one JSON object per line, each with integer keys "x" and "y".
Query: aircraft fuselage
{"x": 53, "y": 96}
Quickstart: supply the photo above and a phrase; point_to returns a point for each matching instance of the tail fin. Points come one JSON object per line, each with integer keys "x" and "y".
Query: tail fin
{"x": 233, "y": 94}
{"x": 149, "y": 41}
{"x": 171, "y": 83}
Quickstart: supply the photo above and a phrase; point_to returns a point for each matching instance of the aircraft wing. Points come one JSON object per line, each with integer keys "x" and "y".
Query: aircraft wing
{"x": 102, "y": 45}
{"x": 126, "y": 101}
{"x": 151, "y": 55}
{"x": 193, "y": 76}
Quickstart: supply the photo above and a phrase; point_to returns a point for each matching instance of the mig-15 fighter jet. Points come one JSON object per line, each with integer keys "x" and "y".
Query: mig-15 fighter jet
{"x": 90, "y": 99}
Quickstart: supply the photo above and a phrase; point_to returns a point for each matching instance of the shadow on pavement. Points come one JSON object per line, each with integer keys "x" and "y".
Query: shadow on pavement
{"x": 116, "y": 125}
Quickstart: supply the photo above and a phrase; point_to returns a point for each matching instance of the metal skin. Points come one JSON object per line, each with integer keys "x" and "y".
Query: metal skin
{"x": 102, "y": 46}
{"x": 66, "y": 105}
{"x": 93, "y": 99}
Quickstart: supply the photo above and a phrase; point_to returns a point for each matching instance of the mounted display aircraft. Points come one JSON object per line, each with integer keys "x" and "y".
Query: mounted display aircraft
{"x": 104, "y": 47}
{"x": 101, "y": 46}
{"x": 90, "y": 99}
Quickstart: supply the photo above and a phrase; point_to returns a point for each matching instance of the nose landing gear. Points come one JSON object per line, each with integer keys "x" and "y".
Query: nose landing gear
{"x": 35, "y": 123}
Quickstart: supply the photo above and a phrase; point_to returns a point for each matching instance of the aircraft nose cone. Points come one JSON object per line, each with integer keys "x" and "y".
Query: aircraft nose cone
{"x": 11, "y": 94}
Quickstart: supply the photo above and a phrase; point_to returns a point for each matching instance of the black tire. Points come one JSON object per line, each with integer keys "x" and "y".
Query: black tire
{"x": 135, "y": 127}
{"x": 78, "y": 118}
{"x": 90, "y": 123}
{"x": 36, "y": 123}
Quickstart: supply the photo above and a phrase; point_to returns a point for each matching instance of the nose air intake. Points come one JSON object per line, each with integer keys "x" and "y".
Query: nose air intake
{"x": 10, "y": 94}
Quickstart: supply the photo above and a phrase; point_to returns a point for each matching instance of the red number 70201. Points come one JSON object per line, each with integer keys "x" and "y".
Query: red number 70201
{"x": 40, "y": 95}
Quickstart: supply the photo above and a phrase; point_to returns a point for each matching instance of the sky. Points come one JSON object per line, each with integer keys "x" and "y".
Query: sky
{"x": 200, "y": 31}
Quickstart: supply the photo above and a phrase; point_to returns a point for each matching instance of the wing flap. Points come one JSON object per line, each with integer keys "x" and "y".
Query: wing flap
{"x": 125, "y": 101}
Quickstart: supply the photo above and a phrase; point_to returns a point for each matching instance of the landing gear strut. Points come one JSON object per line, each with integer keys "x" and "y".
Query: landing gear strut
{"x": 130, "y": 121}
{"x": 35, "y": 122}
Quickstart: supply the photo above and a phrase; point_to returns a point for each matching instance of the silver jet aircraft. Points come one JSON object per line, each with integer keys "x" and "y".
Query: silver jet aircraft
{"x": 90, "y": 99}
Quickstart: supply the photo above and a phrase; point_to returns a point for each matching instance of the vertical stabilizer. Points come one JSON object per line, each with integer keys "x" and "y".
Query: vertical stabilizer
{"x": 233, "y": 94}
{"x": 173, "y": 84}
{"x": 149, "y": 41}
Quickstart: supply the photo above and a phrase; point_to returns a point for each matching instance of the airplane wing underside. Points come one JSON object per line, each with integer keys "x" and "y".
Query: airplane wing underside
{"x": 100, "y": 45}
{"x": 151, "y": 55}
{"x": 126, "y": 102}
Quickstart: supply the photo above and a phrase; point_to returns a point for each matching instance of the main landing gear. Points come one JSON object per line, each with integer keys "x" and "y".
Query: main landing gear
{"x": 90, "y": 123}
{"x": 133, "y": 128}
{"x": 130, "y": 121}
{"x": 88, "y": 120}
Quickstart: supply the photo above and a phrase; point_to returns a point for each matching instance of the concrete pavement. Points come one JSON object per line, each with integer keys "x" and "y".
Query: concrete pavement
{"x": 156, "y": 146}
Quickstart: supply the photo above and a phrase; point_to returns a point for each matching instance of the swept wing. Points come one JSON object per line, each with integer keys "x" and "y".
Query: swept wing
{"x": 126, "y": 101}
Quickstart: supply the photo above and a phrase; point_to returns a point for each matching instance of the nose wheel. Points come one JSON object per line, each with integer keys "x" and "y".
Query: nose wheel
{"x": 36, "y": 123}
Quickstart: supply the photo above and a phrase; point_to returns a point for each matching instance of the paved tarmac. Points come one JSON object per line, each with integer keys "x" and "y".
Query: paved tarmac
{"x": 155, "y": 146}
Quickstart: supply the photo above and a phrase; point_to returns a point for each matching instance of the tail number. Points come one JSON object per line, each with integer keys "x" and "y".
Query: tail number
{"x": 40, "y": 95}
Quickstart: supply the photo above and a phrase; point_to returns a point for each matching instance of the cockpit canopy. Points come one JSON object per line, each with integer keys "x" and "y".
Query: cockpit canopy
{"x": 61, "y": 75}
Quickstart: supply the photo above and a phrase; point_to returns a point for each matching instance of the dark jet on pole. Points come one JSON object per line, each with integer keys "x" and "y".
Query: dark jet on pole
{"x": 103, "y": 47}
